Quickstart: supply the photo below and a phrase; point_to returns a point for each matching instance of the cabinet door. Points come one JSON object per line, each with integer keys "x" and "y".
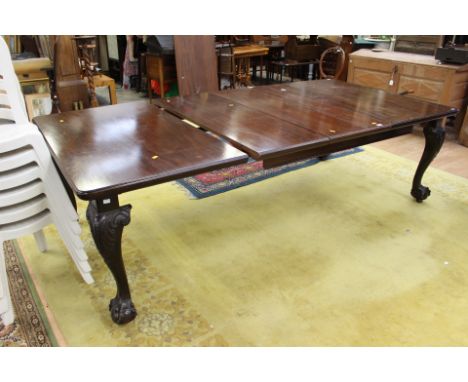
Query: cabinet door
{"x": 373, "y": 73}
{"x": 423, "y": 81}
{"x": 464, "y": 131}
{"x": 422, "y": 88}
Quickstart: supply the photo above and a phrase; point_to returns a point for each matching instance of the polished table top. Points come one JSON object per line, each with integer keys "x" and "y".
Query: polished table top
{"x": 269, "y": 121}
{"x": 119, "y": 148}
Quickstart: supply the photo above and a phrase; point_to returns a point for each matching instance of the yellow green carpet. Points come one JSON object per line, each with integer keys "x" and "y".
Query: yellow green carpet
{"x": 337, "y": 254}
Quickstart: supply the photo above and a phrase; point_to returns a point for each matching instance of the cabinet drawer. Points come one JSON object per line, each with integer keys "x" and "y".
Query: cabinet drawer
{"x": 372, "y": 78}
{"x": 423, "y": 71}
{"x": 373, "y": 64}
{"x": 423, "y": 88}
{"x": 371, "y": 73}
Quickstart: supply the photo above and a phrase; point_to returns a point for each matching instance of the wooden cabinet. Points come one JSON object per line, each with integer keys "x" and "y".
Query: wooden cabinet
{"x": 416, "y": 75}
{"x": 464, "y": 131}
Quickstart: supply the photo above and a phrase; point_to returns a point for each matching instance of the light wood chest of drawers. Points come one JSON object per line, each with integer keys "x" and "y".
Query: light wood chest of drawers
{"x": 417, "y": 76}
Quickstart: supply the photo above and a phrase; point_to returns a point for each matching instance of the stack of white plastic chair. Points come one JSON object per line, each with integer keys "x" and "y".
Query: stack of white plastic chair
{"x": 32, "y": 194}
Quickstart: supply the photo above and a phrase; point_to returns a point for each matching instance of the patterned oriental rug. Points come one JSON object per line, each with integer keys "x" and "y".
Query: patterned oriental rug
{"x": 218, "y": 181}
{"x": 337, "y": 254}
{"x": 31, "y": 326}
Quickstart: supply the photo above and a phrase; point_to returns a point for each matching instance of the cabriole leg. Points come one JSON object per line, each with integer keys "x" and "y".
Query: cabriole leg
{"x": 107, "y": 219}
{"x": 434, "y": 134}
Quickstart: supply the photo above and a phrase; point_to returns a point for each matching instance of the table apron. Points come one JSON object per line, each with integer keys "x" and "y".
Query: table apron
{"x": 333, "y": 147}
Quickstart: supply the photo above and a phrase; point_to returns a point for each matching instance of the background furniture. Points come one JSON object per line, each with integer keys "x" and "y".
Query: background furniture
{"x": 300, "y": 59}
{"x": 243, "y": 56}
{"x": 419, "y": 76}
{"x": 273, "y": 40}
{"x": 346, "y": 42}
{"x": 71, "y": 90}
{"x": 116, "y": 46}
{"x": 75, "y": 74}
{"x": 160, "y": 68}
{"x": 156, "y": 46}
{"x": 464, "y": 130}
{"x": 274, "y": 43}
{"x": 332, "y": 63}
{"x": 226, "y": 66}
{"x": 87, "y": 53}
{"x": 196, "y": 64}
{"x": 32, "y": 70}
{"x": 294, "y": 68}
{"x": 13, "y": 42}
{"x": 418, "y": 44}
{"x": 33, "y": 76}
{"x": 101, "y": 80}
{"x": 306, "y": 50}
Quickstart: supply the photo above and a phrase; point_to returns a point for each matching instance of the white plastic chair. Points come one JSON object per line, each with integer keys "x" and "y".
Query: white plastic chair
{"x": 31, "y": 192}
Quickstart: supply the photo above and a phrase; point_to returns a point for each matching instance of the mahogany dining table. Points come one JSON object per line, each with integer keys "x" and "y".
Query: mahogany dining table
{"x": 106, "y": 151}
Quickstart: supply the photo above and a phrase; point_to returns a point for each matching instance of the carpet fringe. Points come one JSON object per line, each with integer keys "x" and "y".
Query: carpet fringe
{"x": 186, "y": 191}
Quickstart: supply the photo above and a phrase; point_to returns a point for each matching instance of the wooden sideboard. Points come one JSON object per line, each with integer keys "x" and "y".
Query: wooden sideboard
{"x": 464, "y": 131}
{"x": 416, "y": 75}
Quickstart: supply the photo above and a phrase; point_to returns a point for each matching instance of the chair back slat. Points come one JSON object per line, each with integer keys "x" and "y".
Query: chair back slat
{"x": 4, "y": 101}
{"x": 10, "y": 85}
{"x": 7, "y": 115}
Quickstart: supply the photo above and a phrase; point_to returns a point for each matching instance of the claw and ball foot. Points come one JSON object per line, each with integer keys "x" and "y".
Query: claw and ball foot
{"x": 122, "y": 310}
{"x": 107, "y": 227}
{"x": 420, "y": 193}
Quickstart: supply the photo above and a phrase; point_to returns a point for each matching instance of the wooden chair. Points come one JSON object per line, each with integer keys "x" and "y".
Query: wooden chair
{"x": 332, "y": 63}
{"x": 100, "y": 80}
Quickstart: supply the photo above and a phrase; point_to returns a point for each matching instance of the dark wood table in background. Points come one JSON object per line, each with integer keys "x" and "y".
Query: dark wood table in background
{"x": 106, "y": 151}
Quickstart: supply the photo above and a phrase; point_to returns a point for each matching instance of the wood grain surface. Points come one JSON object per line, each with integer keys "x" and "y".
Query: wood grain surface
{"x": 113, "y": 149}
{"x": 270, "y": 121}
{"x": 118, "y": 148}
{"x": 196, "y": 64}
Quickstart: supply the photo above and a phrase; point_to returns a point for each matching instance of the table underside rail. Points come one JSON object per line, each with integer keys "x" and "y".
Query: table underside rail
{"x": 333, "y": 147}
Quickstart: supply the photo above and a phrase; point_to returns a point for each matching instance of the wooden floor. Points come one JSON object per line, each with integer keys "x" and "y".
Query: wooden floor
{"x": 453, "y": 157}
